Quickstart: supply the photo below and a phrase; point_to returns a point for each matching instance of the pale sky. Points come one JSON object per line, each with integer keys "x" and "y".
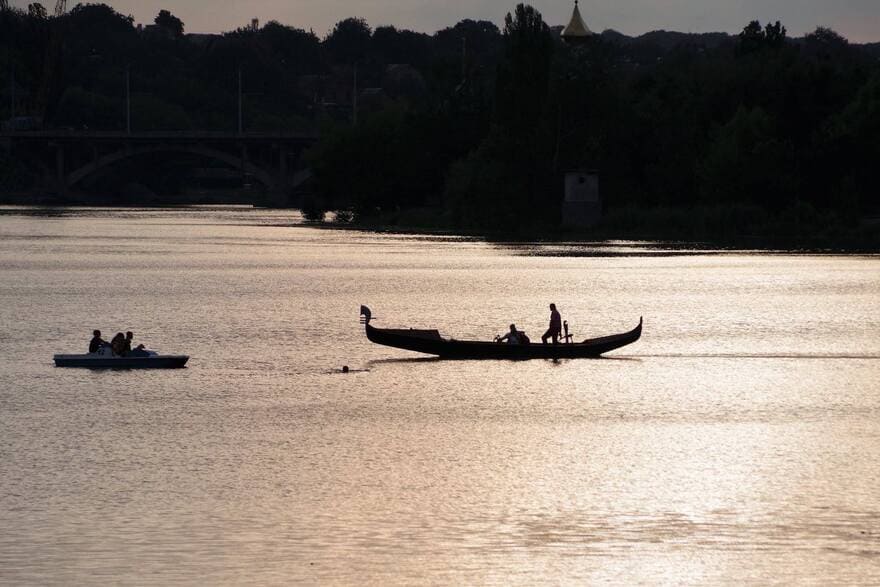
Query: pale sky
{"x": 858, "y": 20}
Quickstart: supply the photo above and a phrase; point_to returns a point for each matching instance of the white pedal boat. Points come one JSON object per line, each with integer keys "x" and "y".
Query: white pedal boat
{"x": 105, "y": 359}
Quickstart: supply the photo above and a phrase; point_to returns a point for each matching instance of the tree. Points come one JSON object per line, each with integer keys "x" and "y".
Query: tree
{"x": 505, "y": 183}
{"x": 481, "y": 38}
{"x": 37, "y": 10}
{"x": 525, "y": 70}
{"x": 93, "y": 22}
{"x": 826, "y": 44}
{"x": 393, "y": 160}
{"x": 748, "y": 162}
{"x": 486, "y": 190}
{"x": 774, "y": 35}
{"x": 349, "y": 41}
{"x": 753, "y": 38}
{"x": 826, "y": 36}
{"x": 296, "y": 51}
{"x": 170, "y": 23}
{"x": 401, "y": 46}
{"x": 290, "y": 43}
{"x": 848, "y": 150}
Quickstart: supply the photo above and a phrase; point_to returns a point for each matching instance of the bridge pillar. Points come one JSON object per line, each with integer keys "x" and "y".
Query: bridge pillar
{"x": 244, "y": 162}
{"x": 60, "y": 179}
{"x": 278, "y": 194}
{"x": 282, "y": 161}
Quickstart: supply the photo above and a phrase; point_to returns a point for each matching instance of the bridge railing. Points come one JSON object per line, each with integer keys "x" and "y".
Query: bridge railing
{"x": 59, "y": 134}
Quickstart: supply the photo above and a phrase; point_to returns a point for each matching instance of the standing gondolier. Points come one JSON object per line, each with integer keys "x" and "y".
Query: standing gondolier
{"x": 555, "y": 329}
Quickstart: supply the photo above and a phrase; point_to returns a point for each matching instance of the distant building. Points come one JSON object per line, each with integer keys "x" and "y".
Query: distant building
{"x": 404, "y": 81}
{"x": 335, "y": 87}
{"x": 155, "y": 30}
{"x": 22, "y": 123}
{"x": 372, "y": 100}
{"x": 582, "y": 206}
{"x": 577, "y": 32}
{"x": 203, "y": 40}
{"x": 333, "y": 93}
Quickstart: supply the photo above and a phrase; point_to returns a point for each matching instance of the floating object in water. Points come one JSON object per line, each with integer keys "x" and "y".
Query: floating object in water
{"x": 430, "y": 342}
{"x": 104, "y": 358}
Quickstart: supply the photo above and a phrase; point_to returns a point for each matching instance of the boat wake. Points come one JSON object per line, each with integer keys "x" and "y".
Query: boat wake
{"x": 819, "y": 356}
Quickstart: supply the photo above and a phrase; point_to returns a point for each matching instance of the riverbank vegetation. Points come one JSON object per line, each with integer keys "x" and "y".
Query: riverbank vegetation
{"x": 693, "y": 135}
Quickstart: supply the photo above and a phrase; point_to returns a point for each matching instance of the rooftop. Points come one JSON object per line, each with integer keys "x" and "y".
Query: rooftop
{"x": 577, "y": 28}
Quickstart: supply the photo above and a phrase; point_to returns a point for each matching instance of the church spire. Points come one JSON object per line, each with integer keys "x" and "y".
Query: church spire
{"x": 577, "y": 30}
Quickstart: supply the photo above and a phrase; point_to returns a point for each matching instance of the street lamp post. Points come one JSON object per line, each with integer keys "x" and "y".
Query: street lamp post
{"x": 12, "y": 93}
{"x": 239, "y": 100}
{"x": 128, "y": 99}
{"x": 354, "y": 97}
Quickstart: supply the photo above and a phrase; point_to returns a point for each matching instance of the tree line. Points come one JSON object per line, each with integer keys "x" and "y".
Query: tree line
{"x": 692, "y": 135}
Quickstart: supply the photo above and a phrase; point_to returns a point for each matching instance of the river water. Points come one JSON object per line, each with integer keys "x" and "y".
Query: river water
{"x": 737, "y": 442}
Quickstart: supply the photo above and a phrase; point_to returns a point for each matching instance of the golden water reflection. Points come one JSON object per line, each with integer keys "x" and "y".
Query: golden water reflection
{"x": 736, "y": 442}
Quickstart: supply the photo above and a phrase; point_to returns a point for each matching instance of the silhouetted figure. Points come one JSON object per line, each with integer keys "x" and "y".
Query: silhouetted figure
{"x": 117, "y": 345}
{"x": 555, "y": 326}
{"x": 512, "y": 337}
{"x": 138, "y": 351}
{"x": 96, "y": 342}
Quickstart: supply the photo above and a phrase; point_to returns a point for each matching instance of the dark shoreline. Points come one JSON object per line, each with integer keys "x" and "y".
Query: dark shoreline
{"x": 675, "y": 227}
{"x": 854, "y": 244}
{"x": 757, "y": 244}
{"x": 600, "y": 237}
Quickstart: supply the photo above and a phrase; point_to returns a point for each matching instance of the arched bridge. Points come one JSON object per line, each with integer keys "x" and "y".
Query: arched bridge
{"x": 69, "y": 157}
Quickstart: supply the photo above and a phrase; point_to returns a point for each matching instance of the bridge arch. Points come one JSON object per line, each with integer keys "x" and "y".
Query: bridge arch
{"x": 265, "y": 177}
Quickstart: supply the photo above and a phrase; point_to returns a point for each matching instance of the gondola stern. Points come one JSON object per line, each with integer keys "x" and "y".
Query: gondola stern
{"x": 637, "y": 331}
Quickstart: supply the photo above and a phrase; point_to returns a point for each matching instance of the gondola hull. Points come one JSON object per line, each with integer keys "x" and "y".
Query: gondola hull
{"x": 430, "y": 342}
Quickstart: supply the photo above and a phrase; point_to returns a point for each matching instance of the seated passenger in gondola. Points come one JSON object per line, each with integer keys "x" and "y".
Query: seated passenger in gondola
{"x": 512, "y": 337}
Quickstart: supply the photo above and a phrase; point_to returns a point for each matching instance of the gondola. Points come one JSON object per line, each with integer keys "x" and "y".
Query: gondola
{"x": 430, "y": 342}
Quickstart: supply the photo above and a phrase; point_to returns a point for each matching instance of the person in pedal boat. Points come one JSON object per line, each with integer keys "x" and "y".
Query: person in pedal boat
{"x": 96, "y": 342}
{"x": 138, "y": 351}
{"x": 118, "y": 344}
